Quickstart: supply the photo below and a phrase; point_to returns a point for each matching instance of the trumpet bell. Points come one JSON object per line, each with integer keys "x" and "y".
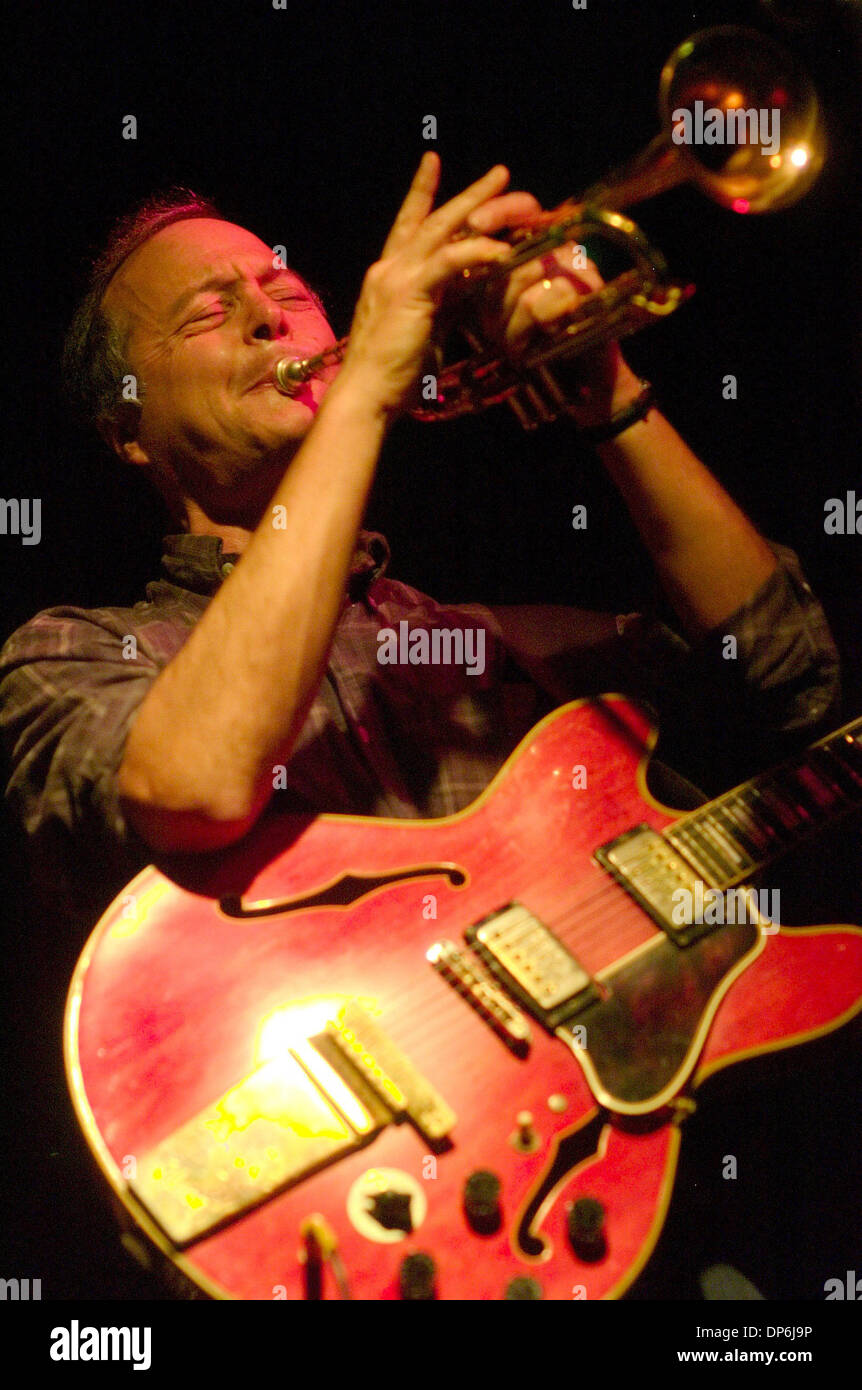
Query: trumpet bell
{"x": 742, "y": 118}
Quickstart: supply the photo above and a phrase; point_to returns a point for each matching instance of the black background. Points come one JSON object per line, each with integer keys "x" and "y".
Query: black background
{"x": 305, "y": 125}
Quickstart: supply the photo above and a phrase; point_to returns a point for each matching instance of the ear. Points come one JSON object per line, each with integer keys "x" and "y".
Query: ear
{"x": 120, "y": 432}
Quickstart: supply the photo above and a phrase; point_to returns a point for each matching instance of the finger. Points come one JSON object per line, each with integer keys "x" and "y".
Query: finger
{"x": 456, "y": 256}
{"x": 448, "y": 219}
{"x": 511, "y": 210}
{"x": 585, "y": 279}
{"x": 541, "y": 306}
{"x": 417, "y": 204}
{"x": 571, "y": 261}
{"x": 567, "y": 262}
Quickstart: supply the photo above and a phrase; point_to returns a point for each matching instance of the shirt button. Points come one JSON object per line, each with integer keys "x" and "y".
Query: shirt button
{"x": 227, "y": 568}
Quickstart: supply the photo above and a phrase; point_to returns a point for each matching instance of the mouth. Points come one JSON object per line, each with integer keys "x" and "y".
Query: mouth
{"x": 304, "y": 396}
{"x": 267, "y": 379}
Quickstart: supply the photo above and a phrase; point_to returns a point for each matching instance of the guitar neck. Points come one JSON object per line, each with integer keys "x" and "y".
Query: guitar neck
{"x": 733, "y": 837}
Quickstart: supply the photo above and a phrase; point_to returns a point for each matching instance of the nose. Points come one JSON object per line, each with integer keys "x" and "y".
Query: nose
{"x": 266, "y": 320}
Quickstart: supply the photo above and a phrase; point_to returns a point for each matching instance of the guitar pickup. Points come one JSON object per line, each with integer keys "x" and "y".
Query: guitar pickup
{"x": 652, "y": 871}
{"x": 533, "y": 964}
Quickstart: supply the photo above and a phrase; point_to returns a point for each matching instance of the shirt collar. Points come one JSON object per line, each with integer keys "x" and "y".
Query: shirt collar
{"x": 198, "y": 563}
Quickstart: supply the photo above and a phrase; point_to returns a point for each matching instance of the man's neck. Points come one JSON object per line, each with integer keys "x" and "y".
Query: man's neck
{"x": 232, "y": 516}
{"x": 234, "y": 538}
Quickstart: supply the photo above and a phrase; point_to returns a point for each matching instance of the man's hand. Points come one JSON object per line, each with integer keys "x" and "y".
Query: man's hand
{"x": 422, "y": 261}
{"x": 536, "y": 300}
{"x": 402, "y": 291}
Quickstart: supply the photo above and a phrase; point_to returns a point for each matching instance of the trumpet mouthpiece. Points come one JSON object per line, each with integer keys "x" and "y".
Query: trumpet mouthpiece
{"x": 290, "y": 373}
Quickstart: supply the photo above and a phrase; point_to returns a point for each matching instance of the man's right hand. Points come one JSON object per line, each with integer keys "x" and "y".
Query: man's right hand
{"x": 402, "y": 291}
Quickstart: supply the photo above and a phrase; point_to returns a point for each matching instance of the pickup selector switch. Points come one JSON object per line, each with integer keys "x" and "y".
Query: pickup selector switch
{"x": 586, "y": 1228}
{"x": 416, "y": 1279}
{"x": 524, "y": 1138}
{"x": 482, "y": 1201}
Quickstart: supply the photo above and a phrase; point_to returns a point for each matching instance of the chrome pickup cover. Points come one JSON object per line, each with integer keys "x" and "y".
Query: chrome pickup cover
{"x": 540, "y": 971}
{"x": 652, "y": 872}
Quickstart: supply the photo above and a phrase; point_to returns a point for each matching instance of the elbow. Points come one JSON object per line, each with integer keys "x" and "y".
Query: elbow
{"x": 182, "y": 822}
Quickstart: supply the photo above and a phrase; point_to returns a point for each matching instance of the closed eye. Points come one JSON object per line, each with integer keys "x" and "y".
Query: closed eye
{"x": 212, "y": 311}
{"x": 212, "y": 314}
{"x": 297, "y": 301}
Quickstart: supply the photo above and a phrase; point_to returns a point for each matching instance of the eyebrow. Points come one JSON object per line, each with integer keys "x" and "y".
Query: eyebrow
{"x": 219, "y": 282}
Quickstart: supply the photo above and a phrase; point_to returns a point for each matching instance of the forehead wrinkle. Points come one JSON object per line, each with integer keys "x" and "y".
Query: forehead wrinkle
{"x": 133, "y": 299}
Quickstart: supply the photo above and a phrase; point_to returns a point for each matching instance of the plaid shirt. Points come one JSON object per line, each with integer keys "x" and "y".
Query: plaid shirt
{"x": 389, "y": 740}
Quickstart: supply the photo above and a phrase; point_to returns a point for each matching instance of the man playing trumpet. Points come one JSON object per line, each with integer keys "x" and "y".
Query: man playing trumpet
{"x": 249, "y": 681}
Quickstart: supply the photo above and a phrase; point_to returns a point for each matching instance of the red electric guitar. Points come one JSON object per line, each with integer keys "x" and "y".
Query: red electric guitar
{"x": 415, "y": 1059}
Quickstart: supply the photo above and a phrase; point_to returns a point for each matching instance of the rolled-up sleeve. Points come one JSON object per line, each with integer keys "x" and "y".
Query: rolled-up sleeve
{"x": 785, "y": 650}
{"x": 69, "y": 692}
{"x": 757, "y": 687}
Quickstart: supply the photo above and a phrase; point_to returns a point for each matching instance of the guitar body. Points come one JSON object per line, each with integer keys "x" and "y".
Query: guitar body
{"x": 191, "y": 984}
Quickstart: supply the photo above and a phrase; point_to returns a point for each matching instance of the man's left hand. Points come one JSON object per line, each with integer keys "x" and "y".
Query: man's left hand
{"x": 537, "y": 298}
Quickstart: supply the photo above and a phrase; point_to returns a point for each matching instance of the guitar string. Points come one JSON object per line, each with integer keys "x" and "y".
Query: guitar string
{"x": 599, "y": 918}
{"x": 595, "y": 928}
{"x": 416, "y": 1006}
{"x": 604, "y": 919}
{"x": 613, "y": 944}
{"x": 618, "y": 930}
{"x": 609, "y": 926}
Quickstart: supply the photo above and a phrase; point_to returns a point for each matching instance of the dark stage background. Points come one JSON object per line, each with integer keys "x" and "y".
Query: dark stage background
{"x": 305, "y": 125}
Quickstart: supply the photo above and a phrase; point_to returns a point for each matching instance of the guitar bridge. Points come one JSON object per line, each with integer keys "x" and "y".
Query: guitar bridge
{"x": 486, "y": 998}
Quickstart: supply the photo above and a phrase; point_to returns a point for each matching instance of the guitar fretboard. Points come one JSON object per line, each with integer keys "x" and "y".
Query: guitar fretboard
{"x": 734, "y": 836}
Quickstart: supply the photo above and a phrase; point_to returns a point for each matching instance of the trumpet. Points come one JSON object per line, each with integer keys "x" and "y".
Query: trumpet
{"x": 722, "y": 82}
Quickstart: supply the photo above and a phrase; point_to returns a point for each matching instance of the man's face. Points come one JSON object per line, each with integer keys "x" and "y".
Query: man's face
{"x": 209, "y": 315}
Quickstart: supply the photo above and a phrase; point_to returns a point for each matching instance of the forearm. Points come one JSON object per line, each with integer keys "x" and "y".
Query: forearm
{"x": 709, "y": 557}
{"x": 197, "y": 768}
